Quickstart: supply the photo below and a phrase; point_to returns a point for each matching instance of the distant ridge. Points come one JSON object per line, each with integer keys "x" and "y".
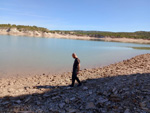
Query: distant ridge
{"x": 96, "y": 34}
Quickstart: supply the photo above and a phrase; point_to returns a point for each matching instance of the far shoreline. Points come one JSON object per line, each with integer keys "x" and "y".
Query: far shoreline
{"x": 74, "y": 37}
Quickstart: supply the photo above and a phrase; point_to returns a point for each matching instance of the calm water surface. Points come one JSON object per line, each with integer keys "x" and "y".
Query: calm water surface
{"x": 28, "y": 55}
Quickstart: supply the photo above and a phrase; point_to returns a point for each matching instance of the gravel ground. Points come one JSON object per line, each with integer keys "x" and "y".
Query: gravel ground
{"x": 122, "y": 87}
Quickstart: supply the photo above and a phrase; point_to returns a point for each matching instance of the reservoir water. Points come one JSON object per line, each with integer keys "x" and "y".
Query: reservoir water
{"x": 20, "y": 55}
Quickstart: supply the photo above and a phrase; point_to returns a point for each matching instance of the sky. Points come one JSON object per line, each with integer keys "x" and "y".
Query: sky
{"x": 99, "y": 15}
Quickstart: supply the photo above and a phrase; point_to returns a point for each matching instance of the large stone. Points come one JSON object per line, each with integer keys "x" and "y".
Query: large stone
{"x": 72, "y": 110}
{"x": 72, "y": 99}
{"x": 5, "y": 103}
{"x": 90, "y": 92}
{"x": 61, "y": 105}
{"x": 90, "y": 105}
{"x": 127, "y": 111}
{"x": 85, "y": 88}
{"x": 27, "y": 99}
{"x": 46, "y": 95}
{"x": 67, "y": 100}
{"x": 102, "y": 100}
{"x": 143, "y": 104}
{"x": 55, "y": 97}
{"x": 17, "y": 101}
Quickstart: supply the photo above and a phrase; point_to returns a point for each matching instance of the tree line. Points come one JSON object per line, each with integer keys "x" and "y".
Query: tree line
{"x": 23, "y": 27}
{"x": 98, "y": 34}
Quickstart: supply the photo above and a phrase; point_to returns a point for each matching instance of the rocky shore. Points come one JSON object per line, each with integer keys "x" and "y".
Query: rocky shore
{"x": 16, "y": 32}
{"x": 122, "y": 87}
{"x": 126, "y": 40}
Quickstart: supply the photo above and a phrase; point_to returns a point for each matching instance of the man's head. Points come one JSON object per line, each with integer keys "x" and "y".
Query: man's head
{"x": 74, "y": 55}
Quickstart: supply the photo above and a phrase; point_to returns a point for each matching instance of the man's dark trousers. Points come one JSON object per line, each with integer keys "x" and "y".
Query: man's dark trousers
{"x": 74, "y": 77}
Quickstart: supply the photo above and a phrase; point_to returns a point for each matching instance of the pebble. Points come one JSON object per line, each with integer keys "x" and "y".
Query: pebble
{"x": 90, "y": 105}
{"x": 61, "y": 105}
{"x": 18, "y": 101}
{"x": 72, "y": 110}
{"x": 90, "y": 92}
{"x": 127, "y": 111}
{"x": 55, "y": 97}
{"x": 102, "y": 100}
{"x": 73, "y": 98}
{"x": 85, "y": 88}
{"x": 67, "y": 100}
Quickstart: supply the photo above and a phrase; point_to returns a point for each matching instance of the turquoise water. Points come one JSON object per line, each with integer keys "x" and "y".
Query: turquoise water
{"x": 28, "y": 55}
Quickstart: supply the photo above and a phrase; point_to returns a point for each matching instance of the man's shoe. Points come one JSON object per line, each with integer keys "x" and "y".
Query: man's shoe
{"x": 70, "y": 85}
{"x": 79, "y": 85}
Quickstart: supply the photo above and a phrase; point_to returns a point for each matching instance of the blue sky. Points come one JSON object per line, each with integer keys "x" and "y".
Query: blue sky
{"x": 100, "y": 15}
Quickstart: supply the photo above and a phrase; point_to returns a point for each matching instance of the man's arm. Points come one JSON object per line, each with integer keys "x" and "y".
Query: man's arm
{"x": 78, "y": 68}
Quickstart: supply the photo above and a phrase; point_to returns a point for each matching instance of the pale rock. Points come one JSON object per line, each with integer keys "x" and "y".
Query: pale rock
{"x": 142, "y": 104}
{"x": 56, "y": 97}
{"x": 27, "y": 99}
{"x": 18, "y": 102}
{"x": 4, "y": 103}
{"x": 68, "y": 88}
{"x": 85, "y": 88}
{"x": 90, "y": 105}
{"x": 67, "y": 100}
{"x": 90, "y": 92}
{"x": 61, "y": 105}
{"x": 127, "y": 111}
{"x": 46, "y": 95}
{"x": 114, "y": 89}
{"x": 72, "y": 110}
{"x": 102, "y": 100}
{"x": 72, "y": 99}
{"x": 146, "y": 109}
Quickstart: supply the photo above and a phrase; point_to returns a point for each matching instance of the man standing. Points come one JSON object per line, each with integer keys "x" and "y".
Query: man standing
{"x": 76, "y": 68}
